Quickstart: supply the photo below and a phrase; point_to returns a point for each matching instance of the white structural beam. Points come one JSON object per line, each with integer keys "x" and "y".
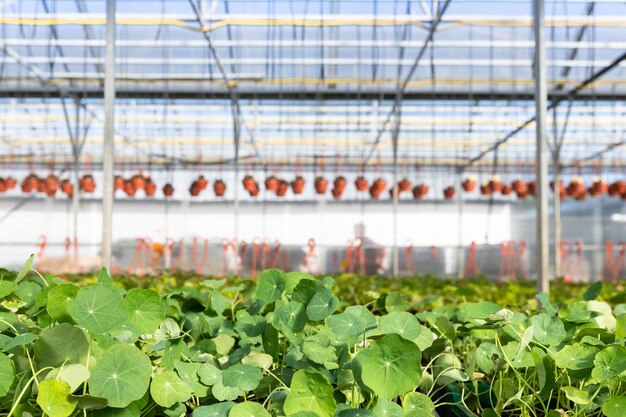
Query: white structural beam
{"x": 541, "y": 163}
{"x": 313, "y": 43}
{"x": 109, "y": 132}
{"x": 299, "y": 19}
{"x": 160, "y": 61}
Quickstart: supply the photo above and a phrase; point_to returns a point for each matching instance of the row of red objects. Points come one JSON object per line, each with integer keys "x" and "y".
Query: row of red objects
{"x": 49, "y": 185}
{"x": 575, "y": 189}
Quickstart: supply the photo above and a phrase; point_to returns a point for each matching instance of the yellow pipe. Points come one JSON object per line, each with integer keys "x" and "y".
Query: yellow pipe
{"x": 327, "y": 81}
{"x": 100, "y": 21}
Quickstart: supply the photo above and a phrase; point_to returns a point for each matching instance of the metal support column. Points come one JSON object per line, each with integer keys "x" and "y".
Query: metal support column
{"x": 461, "y": 252}
{"x": 558, "y": 268}
{"x": 541, "y": 97}
{"x": 395, "y": 189}
{"x": 109, "y": 130}
{"x": 236, "y": 141}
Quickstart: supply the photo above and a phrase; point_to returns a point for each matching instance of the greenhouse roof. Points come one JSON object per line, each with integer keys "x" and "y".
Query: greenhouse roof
{"x": 314, "y": 80}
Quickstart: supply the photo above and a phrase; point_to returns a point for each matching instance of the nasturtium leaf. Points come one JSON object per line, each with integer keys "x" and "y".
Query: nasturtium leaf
{"x": 27, "y": 292}
{"x": 145, "y": 309}
{"x": 188, "y": 372}
{"x": 318, "y": 353}
{"x": 104, "y": 278}
{"x": 258, "y": 359}
{"x": 19, "y": 340}
{"x": 593, "y": 291}
{"x": 310, "y": 392}
{"x": 396, "y": 302}
{"x": 224, "y": 393}
{"x": 54, "y": 398}
{"x": 248, "y": 409}
{"x": 620, "y": 326}
{"x": 477, "y": 311}
{"x": 167, "y": 389}
{"x": 386, "y": 408}
{"x": 209, "y": 374}
{"x": 244, "y": 377}
{"x": 133, "y": 410}
{"x": 74, "y": 374}
{"x": 576, "y": 396}
{"x": 6, "y": 288}
{"x": 59, "y": 300}
{"x": 293, "y": 278}
{"x": 291, "y": 315}
{"x": 350, "y": 324}
{"x": 416, "y": 404}
{"x": 401, "y": 323}
{"x": 214, "y": 410}
{"x": 89, "y": 402}
{"x": 548, "y": 330}
{"x": 575, "y": 357}
{"x": 322, "y": 305}
{"x": 98, "y": 309}
{"x": 251, "y": 326}
{"x": 489, "y": 357}
{"x": 615, "y": 407}
{"x": 609, "y": 363}
{"x": 62, "y": 344}
{"x": 121, "y": 376}
{"x": 219, "y": 302}
{"x": 356, "y": 412}
{"x": 389, "y": 367}
{"x": 223, "y": 344}
{"x": 305, "y": 290}
{"x": 443, "y": 366}
{"x": 7, "y": 374}
{"x": 28, "y": 265}
{"x": 270, "y": 285}
{"x": 177, "y": 410}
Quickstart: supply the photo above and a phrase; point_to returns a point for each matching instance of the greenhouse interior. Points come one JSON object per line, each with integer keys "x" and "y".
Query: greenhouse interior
{"x": 313, "y": 208}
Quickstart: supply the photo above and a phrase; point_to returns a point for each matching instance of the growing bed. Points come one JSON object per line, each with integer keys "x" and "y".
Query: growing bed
{"x": 295, "y": 345}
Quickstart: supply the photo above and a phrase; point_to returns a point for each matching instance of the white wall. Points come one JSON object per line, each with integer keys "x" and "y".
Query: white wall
{"x": 292, "y": 223}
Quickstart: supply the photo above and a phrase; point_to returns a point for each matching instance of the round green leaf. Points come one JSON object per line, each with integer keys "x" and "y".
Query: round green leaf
{"x": 270, "y": 285}
{"x": 62, "y": 344}
{"x": 575, "y": 357}
{"x": 27, "y": 292}
{"x": 244, "y": 377}
{"x": 168, "y": 389}
{"x": 488, "y": 357}
{"x": 548, "y": 330}
{"x": 477, "y": 311}
{"x": 7, "y": 374}
{"x": 98, "y": 309}
{"x": 322, "y": 305}
{"x": 386, "y": 408}
{"x": 59, "y": 300}
{"x": 292, "y": 315}
{"x": 248, "y": 409}
{"x": 396, "y": 302}
{"x": 350, "y": 324}
{"x": 310, "y": 392}
{"x": 609, "y": 363}
{"x": 145, "y": 309}
{"x": 390, "y": 367}
{"x": 74, "y": 374}
{"x": 414, "y": 401}
{"x": 576, "y": 396}
{"x": 615, "y": 407}
{"x": 54, "y": 398}
{"x": 121, "y": 376}
{"x": 401, "y": 323}
{"x": 214, "y": 410}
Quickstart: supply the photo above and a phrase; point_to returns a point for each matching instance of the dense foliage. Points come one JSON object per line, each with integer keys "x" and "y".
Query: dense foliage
{"x": 295, "y": 345}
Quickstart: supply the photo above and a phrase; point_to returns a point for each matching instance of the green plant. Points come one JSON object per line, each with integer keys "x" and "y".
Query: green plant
{"x": 288, "y": 345}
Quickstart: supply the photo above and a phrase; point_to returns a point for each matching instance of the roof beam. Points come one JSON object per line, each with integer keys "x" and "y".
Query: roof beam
{"x": 554, "y": 103}
{"x": 203, "y": 92}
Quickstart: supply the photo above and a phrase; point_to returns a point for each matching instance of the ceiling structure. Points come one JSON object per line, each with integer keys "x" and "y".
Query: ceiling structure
{"x": 315, "y": 82}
